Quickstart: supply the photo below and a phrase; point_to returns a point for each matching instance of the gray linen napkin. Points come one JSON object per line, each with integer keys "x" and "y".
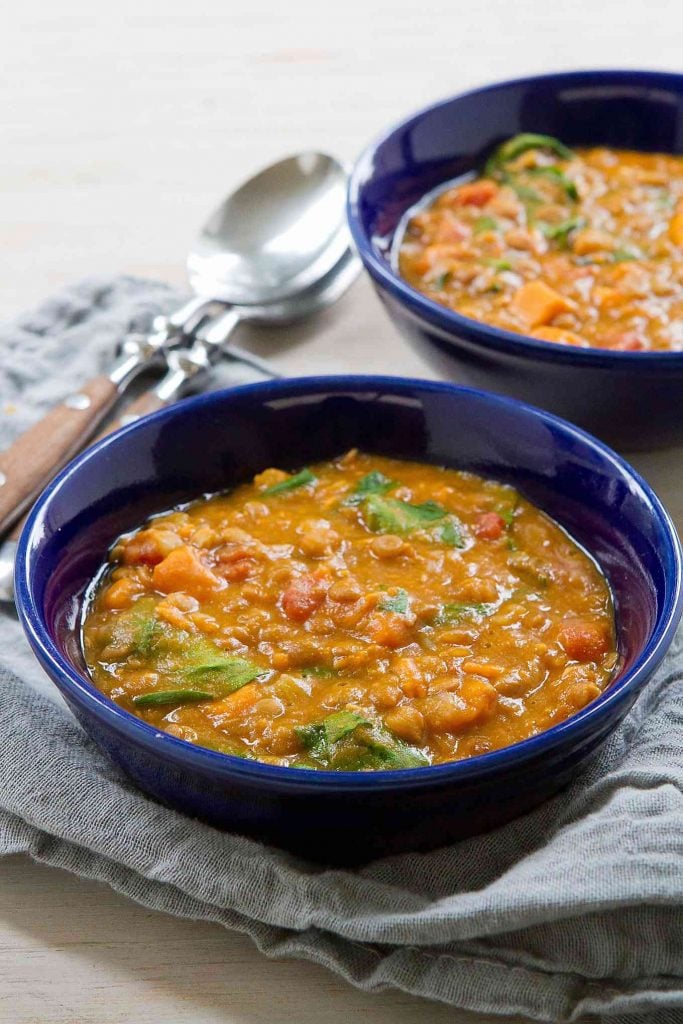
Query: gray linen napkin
{"x": 570, "y": 913}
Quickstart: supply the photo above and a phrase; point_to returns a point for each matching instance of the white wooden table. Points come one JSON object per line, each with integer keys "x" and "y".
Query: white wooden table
{"x": 121, "y": 125}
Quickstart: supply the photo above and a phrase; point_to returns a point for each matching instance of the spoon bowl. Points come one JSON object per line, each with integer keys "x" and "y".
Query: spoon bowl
{"x": 275, "y": 236}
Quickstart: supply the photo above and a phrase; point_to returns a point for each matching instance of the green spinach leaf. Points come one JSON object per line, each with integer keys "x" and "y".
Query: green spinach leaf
{"x": 623, "y": 256}
{"x": 459, "y": 611}
{"x": 372, "y": 483}
{"x": 290, "y": 484}
{"x": 224, "y": 673}
{"x": 345, "y": 741}
{"x": 390, "y": 515}
{"x": 560, "y": 232}
{"x": 399, "y": 603}
{"x": 341, "y": 723}
{"x": 483, "y": 224}
{"x": 181, "y": 696}
{"x": 518, "y": 144}
{"x": 451, "y": 533}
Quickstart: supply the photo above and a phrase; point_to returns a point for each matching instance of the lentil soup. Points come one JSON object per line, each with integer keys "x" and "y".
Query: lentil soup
{"x": 364, "y": 613}
{"x": 582, "y": 248}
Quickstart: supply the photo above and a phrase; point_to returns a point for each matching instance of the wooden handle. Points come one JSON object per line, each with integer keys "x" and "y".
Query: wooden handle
{"x": 15, "y": 532}
{"x": 145, "y": 404}
{"x": 142, "y": 406}
{"x": 37, "y": 455}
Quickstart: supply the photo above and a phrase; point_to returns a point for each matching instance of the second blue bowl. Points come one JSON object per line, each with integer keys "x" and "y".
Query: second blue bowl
{"x": 630, "y": 399}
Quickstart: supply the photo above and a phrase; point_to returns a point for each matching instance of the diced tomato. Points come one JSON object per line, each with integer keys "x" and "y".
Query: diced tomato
{"x": 235, "y": 561}
{"x": 303, "y": 595}
{"x": 477, "y": 193}
{"x": 629, "y": 341}
{"x": 489, "y": 526}
{"x": 583, "y": 640}
{"x": 238, "y": 570}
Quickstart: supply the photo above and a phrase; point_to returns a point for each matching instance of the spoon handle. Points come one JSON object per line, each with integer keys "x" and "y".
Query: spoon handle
{"x": 147, "y": 402}
{"x": 39, "y": 451}
{"x": 182, "y": 364}
{"x": 37, "y": 454}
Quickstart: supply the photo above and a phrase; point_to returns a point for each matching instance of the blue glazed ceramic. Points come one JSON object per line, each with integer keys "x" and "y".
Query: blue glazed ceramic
{"x": 630, "y": 399}
{"x": 214, "y": 441}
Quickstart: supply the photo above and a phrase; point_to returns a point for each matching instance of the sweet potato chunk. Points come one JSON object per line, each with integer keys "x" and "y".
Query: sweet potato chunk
{"x": 121, "y": 593}
{"x": 676, "y": 226}
{"x": 183, "y": 571}
{"x": 535, "y": 303}
{"x": 391, "y": 630}
{"x": 584, "y": 640}
{"x": 591, "y": 240}
{"x": 449, "y": 711}
{"x": 560, "y": 335}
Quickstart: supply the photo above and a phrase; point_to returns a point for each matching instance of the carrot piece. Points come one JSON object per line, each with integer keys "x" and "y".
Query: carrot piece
{"x": 536, "y": 303}
{"x": 121, "y": 593}
{"x": 483, "y": 668}
{"x": 182, "y": 570}
{"x": 676, "y": 226}
{"x": 235, "y": 703}
{"x": 584, "y": 640}
{"x": 590, "y": 240}
{"x": 476, "y": 193}
{"x": 607, "y": 297}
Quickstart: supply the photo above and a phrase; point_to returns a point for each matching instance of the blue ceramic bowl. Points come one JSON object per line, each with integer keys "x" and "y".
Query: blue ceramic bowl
{"x": 214, "y": 441}
{"x": 630, "y": 399}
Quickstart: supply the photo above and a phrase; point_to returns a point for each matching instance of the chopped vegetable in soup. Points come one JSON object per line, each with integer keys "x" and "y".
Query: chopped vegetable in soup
{"x": 361, "y": 614}
{"x": 583, "y": 248}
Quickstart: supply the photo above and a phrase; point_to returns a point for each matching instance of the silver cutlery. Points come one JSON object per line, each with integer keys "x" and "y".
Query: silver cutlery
{"x": 277, "y": 250}
{"x": 274, "y": 237}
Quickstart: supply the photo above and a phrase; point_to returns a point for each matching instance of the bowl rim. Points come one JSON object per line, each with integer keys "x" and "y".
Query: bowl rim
{"x": 83, "y": 691}
{"x": 474, "y": 330}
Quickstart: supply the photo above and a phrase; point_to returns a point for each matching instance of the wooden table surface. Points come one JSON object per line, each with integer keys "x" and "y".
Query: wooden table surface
{"x": 121, "y": 126}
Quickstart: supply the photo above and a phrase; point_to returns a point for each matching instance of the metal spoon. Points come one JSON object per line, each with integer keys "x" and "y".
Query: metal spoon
{"x": 186, "y": 364}
{"x": 277, "y": 234}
